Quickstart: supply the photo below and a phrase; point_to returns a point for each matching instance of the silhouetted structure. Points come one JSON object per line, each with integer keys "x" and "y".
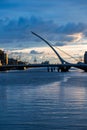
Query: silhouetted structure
{"x": 12, "y": 61}
{"x": 85, "y": 57}
{"x": 45, "y": 62}
{"x": 3, "y": 57}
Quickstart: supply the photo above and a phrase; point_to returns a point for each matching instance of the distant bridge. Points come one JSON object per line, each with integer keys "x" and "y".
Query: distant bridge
{"x": 63, "y": 67}
{"x": 60, "y": 58}
{"x": 50, "y": 67}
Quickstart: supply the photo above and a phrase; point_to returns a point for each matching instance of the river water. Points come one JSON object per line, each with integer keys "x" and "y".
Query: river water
{"x": 38, "y": 100}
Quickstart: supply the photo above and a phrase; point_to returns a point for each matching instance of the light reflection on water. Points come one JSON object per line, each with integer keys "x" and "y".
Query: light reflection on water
{"x": 44, "y": 101}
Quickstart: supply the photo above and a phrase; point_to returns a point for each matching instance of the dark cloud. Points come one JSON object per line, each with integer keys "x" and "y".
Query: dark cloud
{"x": 35, "y": 52}
{"x": 64, "y": 39}
{"x": 72, "y": 28}
{"x": 59, "y": 10}
{"x": 59, "y": 43}
{"x": 20, "y": 30}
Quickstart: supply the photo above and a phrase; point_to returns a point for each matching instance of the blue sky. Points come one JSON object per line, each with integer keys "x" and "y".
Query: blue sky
{"x": 62, "y": 22}
{"x": 60, "y": 11}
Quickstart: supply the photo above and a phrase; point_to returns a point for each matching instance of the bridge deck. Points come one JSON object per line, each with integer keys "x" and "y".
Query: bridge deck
{"x": 79, "y": 66}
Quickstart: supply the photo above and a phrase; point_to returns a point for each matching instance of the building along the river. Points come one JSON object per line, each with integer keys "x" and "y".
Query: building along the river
{"x": 85, "y": 57}
{"x": 3, "y": 58}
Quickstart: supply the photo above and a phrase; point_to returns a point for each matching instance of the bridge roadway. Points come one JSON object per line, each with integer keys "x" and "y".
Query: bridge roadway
{"x": 60, "y": 67}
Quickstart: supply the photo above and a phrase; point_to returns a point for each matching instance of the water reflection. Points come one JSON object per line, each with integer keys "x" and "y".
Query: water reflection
{"x": 43, "y": 101}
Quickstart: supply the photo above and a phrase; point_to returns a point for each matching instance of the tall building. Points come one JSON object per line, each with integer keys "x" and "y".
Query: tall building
{"x": 85, "y": 57}
{"x": 3, "y": 58}
{"x": 0, "y": 63}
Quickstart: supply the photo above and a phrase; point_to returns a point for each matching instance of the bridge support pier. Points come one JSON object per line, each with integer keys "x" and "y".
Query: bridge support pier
{"x": 63, "y": 69}
{"x": 85, "y": 70}
{"x": 48, "y": 69}
{"x": 58, "y": 69}
{"x": 21, "y": 68}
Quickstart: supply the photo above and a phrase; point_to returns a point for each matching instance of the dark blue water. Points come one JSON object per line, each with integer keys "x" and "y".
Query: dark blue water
{"x": 37, "y": 100}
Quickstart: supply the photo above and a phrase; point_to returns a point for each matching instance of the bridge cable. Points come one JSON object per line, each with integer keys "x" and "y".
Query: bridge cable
{"x": 66, "y": 53}
{"x": 60, "y": 58}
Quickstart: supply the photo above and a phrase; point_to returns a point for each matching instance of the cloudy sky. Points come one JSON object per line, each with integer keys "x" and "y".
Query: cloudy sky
{"x": 62, "y": 22}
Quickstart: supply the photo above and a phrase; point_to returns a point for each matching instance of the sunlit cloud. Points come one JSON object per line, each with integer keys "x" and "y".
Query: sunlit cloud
{"x": 76, "y": 51}
{"x": 29, "y": 54}
{"x": 76, "y": 37}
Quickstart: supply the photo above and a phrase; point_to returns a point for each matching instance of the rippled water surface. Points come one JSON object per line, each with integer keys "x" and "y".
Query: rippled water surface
{"x": 38, "y": 100}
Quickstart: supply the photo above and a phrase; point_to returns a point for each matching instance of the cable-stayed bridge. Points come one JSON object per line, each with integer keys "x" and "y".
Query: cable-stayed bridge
{"x": 63, "y": 67}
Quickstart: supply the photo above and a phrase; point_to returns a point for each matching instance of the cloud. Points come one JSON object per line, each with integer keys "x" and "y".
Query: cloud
{"x": 71, "y": 28}
{"x": 19, "y": 31}
{"x": 59, "y": 43}
{"x": 35, "y": 52}
{"x": 67, "y": 11}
